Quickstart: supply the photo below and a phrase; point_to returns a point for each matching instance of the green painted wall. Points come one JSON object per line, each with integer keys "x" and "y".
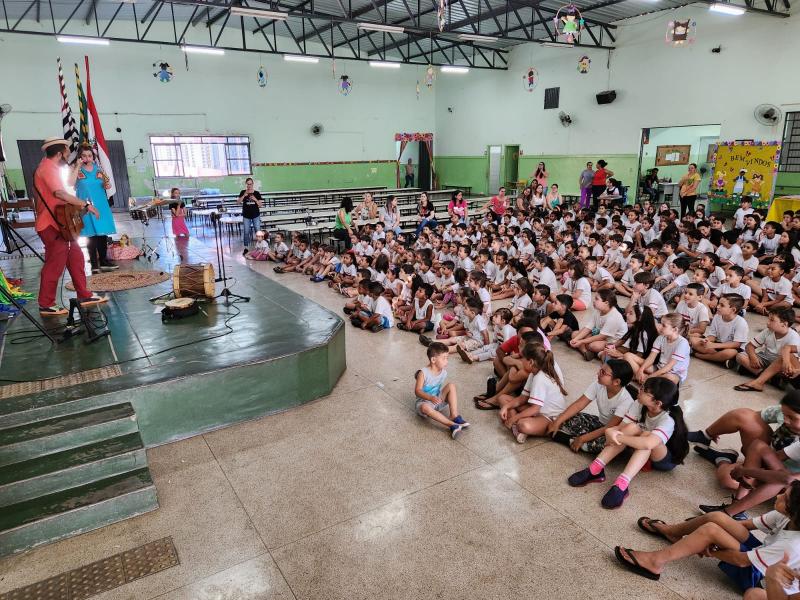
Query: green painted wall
{"x": 564, "y": 170}
{"x": 787, "y": 183}
{"x": 463, "y": 171}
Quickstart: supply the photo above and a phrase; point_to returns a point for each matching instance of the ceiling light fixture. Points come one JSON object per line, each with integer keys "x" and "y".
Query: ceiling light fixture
{"x": 302, "y": 59}
{"x": 472, "y": 37}
{"x": 557, "y": 45}
{"x": 454, "y": 69}
{"x": 70, "y": 39}
{"x": 202, "y": 50}
{"x": 384, "y": 64}
{"x": 380, "y": 27}
{"x": 244, "y": 11}
{"x": 727, "y": 9}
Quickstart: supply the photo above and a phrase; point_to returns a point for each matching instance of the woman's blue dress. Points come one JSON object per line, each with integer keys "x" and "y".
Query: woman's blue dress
{"x": 89, "y": 186}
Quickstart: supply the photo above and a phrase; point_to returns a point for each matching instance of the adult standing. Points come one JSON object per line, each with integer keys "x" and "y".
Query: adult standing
{"x": 91, "y": 184}
{"x": 599, "y": 178}
{"x": 390, "y": 215}
{"x": 426, "y": 213}
{"x": 251, "y": 202}
{"x": 58, "y": 251}
{"x": 497, "y": 205}
{"x": 343, "y": 224}
{"x": 585, "y": 184}
{"x": 688, "y": 189}
{"x": 458, "y": 207}
{"x": 409, "y": 173}
{"x": 540, "y": 175}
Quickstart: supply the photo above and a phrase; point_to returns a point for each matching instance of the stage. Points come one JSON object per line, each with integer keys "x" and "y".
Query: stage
{"x": 224, "y": 365}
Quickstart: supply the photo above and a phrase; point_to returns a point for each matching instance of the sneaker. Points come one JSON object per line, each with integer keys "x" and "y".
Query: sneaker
{"x": 518, "y": 435}
{"x": 562, "y": 437}
{"x": 455, "y": 430}
{"x": 709, "y": 508}
{"x": 92, "y": 300}
{"x": 614, "y": 498}
{"x": 95, "y": 270}
{"x": 53, "y": 311}
{"x": 700, "y": 438}
{"x": 424, "y": 340}
{"x": 730, "y": 363}
{"x": 376, "y": 328}
{"x": 245, "y": 251}
{"x": 460, "y": 421}
{"x": 108, "y": 267}
{"x": 585, "y": 477}
{"x": 716, "y": 457}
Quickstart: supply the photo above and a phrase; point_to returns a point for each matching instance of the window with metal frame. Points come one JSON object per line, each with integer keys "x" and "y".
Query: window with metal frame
{"x": 200, "y": 156}
{"x": 790, "y": 147}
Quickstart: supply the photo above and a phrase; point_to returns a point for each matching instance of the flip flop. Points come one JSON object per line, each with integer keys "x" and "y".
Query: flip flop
{"x": 479, "y": 398}
{"x": 634, "y": 567}
{"x": 653, "y": 532}
{"x": 483, "y": 405}
{"x": 743, "y": 387}
{"x": 464, "y": 355}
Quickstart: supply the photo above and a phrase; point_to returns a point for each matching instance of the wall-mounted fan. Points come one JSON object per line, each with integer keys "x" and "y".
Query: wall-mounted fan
{"x": 768, "y": 114}
{"x": 565, "y": 119}
{"x": 316, "y": 130}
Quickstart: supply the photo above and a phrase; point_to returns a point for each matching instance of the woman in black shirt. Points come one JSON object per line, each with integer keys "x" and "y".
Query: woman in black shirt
{"x": 251, "y": 202}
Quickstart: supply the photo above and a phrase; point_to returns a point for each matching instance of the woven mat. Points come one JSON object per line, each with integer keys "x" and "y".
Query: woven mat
{"x": 117, "y": 281}
{"x": 33, "y": 387}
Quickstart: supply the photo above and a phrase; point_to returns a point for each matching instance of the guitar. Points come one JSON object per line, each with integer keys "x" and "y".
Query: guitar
{"x": 69, "y": 219}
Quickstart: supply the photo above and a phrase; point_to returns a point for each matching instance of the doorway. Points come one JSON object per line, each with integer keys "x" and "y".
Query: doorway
{"x": 495, "y": 160}
{"x": 30, "y": 154}
{"x": 420, "y": 158}
{"x": 511, "y": 161}
{"x": 671, "y": 150}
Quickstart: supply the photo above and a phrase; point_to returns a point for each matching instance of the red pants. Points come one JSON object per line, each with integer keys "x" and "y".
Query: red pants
{"x": 58, "y": 254}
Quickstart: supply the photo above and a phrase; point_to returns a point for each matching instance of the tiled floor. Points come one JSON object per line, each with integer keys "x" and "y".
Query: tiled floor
{"x": 354, "y": 496}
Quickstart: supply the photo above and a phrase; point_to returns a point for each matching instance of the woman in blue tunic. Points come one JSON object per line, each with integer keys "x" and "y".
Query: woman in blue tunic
{"x": 91, "y": 185}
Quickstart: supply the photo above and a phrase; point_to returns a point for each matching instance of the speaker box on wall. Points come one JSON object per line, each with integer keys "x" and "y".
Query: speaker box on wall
{"x": 606, "y": 97}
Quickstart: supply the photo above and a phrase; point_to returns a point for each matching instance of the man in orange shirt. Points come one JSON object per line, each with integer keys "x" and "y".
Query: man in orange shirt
{"x": 58, "y": 252}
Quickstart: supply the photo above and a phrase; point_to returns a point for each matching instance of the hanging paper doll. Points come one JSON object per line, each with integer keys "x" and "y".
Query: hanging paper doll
{"x": 429, "y": 75}
{"x": 417, "y": 89}
{"x": 530, "y": 79}
{"x": 680, "y": 33}
{"x": 755, "y": 185}
{"x": 739, "y": 182}
{"x": 569, "y": 23}
{"x": 345, "y": 85}
{"x": 441, "y": 14}
{"x": 261, "y": 77}
{"x": 163, "y": 71}
{"x": 583, "y": 64}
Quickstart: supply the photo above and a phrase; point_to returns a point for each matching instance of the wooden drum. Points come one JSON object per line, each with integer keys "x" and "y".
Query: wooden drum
{"x": 194, "y": 281}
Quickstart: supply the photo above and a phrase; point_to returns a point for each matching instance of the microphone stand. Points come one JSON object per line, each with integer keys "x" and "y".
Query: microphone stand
{"x": 226, "y": 293}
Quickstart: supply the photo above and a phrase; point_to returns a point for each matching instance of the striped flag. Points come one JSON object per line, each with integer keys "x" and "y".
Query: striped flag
{"x": 96, "y": 134}
{"x": 83, "y": 122}
{"x": 67, "y": 120}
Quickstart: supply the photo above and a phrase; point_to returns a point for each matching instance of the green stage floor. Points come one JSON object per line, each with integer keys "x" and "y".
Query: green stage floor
{"x": 226, "y": 364}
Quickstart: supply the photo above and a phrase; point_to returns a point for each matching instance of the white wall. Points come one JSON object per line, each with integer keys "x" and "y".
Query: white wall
{"x": 657, "y": 85}
{"x": 217, "y": 95}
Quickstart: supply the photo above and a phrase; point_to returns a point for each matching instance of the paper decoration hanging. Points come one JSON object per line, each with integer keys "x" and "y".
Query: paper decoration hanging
{"x": 163, "y": 71}
{"x": 681, "y": 33}
{"x": 345, "y": 85}
{"x": 583, "y": 64}
{"x": 417, "y": 89}
{"x": 569, "y": 23}
{"x": 429, "y": 76}
{"x": 441, "y": 13}
{"x": 261, "y": 77}
{"x": 530, "y": 79}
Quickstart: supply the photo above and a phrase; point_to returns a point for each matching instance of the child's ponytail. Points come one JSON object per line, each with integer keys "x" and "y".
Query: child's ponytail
{"x": 544, "y": 360}
{"x": 666, "y": 392}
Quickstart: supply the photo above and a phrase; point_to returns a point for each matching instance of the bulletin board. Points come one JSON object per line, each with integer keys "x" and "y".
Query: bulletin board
{"x": 669, "y": 156}
{"x": 746, "y": 168}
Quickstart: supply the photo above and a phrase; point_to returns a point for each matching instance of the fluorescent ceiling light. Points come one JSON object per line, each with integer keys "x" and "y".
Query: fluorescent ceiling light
{"x": 380, "y": 27}
{"x": 384, "y": 65}
{"x": 471, "y": 37}
{"x": 298, "y": 58}
{"x": 453, "y": 69}
{"x": 244, "y": 11}
{"x": 70, "y": 39}
{"x": 556, "y": 45}
{"x": 202, "y": 50}
{"x": 727, "y": 9}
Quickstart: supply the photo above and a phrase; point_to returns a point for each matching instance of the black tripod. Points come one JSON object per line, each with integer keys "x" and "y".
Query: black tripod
{"x": 223, "y": 276}
{"x": 9, "y": 299}
{"x": 13, "y": 241}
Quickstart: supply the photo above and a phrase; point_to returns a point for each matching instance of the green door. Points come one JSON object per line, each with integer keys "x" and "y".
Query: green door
{"x": 511, "y": 175}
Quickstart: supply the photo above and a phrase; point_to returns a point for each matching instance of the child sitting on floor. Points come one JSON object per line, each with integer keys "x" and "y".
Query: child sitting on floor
{"x": 502, "y": 330}
{"x": 261, "y": 250}
{"x": 279, "y": 250}
{"x": 765, "y": 347}
{"x": 420, "y": 318}
{"x": 606, "y": 327}
{"x": 477, "y": 330}
{"x": 653, "y": 428}
{"x": 378, "y": 316}
{"x": 584, "y": 431}
{"x": 695, "y": 313}
{"x": 560, "y": 323}
{"x": 434, "y": 395}
{"x": 727, "y": 334}
{"x": 670, "y": 348}
{"x": 640, "y": 337}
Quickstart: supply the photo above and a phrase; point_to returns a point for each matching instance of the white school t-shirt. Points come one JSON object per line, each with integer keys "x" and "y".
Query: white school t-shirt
{"x": 383, "y": 308}
{"x": 662, "y": 425}
{"x": 486, "y": 297}
{"x": 779, "y": 541}
{"x": 724, "y": 331}
{"x": 582, "y": 287}
{"x": 653, "y": 299}
{"x": 743, "y": 290}
{"x": 766, "y": 341}
{"x": 544, "y": 392}
{"x": 773, "y": 289}
{"x": 520, "y": 303}
{"x": 611, "y": 324}
{"x": 731, "y": 254}
{"x": 677, "y": 351}
{"x": 749, "y": 265}
{"x": 608, "y": 407}
{"x": 693, "y": 316}
{"x": 476, "y": 327}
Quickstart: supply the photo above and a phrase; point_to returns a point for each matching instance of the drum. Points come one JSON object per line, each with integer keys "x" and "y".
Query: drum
{"x": 194, "y": 281}
{"x": 152, "y": 211}
{"x": 179, "y": 308}
{"x": 138, "y": 214}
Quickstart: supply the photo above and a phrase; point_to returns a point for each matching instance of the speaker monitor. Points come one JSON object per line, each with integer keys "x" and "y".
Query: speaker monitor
{"x": 606, "y": 97}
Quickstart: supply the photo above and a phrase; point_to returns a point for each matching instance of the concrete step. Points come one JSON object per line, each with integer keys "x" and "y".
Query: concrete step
{"x": 76, "y": 510}
{"x": 32, "y": 440}
{"x": 58, "y": 471}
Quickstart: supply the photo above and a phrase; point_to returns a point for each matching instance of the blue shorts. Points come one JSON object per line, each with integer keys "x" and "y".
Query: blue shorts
{"x": 744, "y": 577}
{"x": 665, "y": 464}
{"x": 385, "y": 322}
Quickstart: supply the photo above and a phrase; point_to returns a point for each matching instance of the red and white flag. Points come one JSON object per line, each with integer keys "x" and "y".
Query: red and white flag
{"x": 96, "y": 133}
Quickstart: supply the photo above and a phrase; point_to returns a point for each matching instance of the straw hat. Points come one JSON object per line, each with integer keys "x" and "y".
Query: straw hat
{"x": 54, "y": 141}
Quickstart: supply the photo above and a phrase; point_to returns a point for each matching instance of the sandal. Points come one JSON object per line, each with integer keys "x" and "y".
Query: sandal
{"x": 643, "y": 524}
{"x": 483, "y": 405}
{"x": 634, "y": 567}
{"x": 278, "y": 269}
{"x": 479, "y": 398}
{"x": 744, "y": 387}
